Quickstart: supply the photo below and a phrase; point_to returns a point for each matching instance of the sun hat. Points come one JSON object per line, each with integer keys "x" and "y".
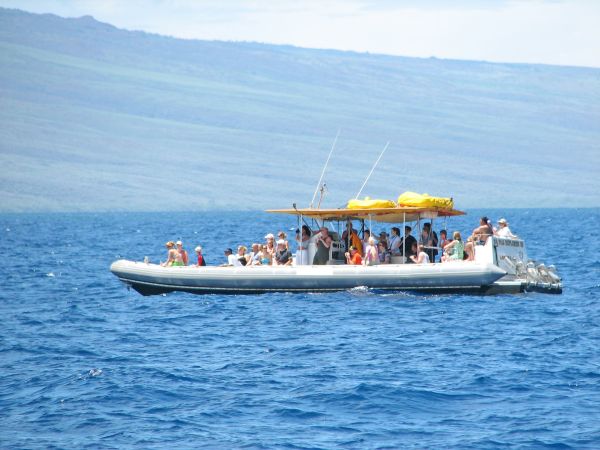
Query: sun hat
{"x": 179, "y": 243}
{"x": 270, "y": 236}
{"x": 503, "y": 221}
{"x": 198, "y": 249}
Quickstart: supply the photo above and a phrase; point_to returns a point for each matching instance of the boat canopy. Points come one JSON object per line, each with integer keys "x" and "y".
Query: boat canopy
{"x": 398, "y": 214}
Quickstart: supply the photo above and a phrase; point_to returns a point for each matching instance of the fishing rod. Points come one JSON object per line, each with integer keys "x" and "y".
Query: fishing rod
{"x": 323, "y": 172}
{"x": 372, "y": 169}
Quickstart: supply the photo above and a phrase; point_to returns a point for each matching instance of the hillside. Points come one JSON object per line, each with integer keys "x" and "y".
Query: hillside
{"x": 97, "y": 118}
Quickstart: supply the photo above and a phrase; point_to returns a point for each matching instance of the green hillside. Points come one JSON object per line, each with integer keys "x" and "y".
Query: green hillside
{"x": 97, "y": 118}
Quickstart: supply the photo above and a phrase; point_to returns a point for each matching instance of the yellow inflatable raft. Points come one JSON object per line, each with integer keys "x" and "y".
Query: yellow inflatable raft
{"x": 424, "y": 201}
{"x": 367, "y": 203}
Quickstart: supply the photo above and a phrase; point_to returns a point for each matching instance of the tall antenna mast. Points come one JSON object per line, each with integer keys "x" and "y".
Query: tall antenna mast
{"x": 324, "y": 168}
{"x": 372, "y": 169}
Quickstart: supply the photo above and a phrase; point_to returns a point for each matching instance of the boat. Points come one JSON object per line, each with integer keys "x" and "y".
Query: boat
{"x": 500, "y": 265}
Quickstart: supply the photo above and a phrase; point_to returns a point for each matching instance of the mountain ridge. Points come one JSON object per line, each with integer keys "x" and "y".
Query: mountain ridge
{"x": 95, "y": 118}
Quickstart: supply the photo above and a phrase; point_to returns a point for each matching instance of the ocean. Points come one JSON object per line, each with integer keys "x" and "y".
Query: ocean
{"x": 87, "y": 363}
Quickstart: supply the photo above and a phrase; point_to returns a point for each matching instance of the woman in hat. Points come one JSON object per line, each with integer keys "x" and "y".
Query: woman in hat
{"x": 504, "y": 231}
{"x": 173, "y": 256}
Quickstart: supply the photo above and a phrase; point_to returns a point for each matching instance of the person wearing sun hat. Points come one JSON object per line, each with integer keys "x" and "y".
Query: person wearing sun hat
{"x": 172, "y": 255}
{"x": 504, "y": 231}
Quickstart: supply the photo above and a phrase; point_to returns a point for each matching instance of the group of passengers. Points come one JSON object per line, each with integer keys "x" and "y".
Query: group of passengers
{"x": 370, "y": 251}
{"x": 367, "y": 251}
{"x": 271, "y": 252}
{"x": 178, "y": 256}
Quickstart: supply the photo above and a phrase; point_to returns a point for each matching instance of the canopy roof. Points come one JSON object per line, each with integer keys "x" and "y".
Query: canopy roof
{"x": 399, "y": 214}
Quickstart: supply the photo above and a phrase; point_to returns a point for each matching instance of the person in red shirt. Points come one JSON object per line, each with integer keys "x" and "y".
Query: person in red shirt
{"x": 201, "y": 261}
{"x": 353, "y": 257}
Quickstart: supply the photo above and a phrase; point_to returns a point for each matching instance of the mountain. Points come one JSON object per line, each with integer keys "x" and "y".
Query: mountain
{"x": 96, "y": 118}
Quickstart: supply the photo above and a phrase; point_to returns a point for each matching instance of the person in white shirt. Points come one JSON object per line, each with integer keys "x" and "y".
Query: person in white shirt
{"x": 232, "y": 260}
{"x": 395, "y": 241}
{"x": 504, "y": 231}
{"x": 422, "y": 257}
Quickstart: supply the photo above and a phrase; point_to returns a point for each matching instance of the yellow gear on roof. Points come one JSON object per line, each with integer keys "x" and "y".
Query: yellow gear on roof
{"x": 424, "y": 201}
{"x": 367, "y": 203}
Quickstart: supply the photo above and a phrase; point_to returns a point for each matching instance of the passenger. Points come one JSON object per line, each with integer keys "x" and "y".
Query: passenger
{"x": 183, "y": 253}
{"x": 479, "y": 237}
{"x": 504, "y": 231}
{"x": 385, "y": 257}
{"x": 201, "y": 261}
{"x": 283, "y": 236}
{"x": 254, "y": 256}
{"x": 270, "y": 245}
{"x": 354, "y": 240}
{"x": 232, "y": 260}
{"x": 394, "y": 242}
{"x": 383, "y": 239}
{"x": 323, "y": 242}
{"x": 353, "y": 257}
{"x": 365, "y": 241}
{"x": 429, "y": 240}
{"x": 454, "y": 250}
{"x": 302, "y": 246}
{"x": 265, "y": 256}
{"x": 422, "y": 257}
{"x": 406, "y": 243}
{"x": 283, "y": 257}
{"x": 241, "y": 255}
{"x": 172, "y": 255}
{"x": 371, "y": 254}
{"x": 444, "y": 241}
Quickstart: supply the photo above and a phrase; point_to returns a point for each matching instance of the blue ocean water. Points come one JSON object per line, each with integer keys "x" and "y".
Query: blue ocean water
{"x": 84, "y": 362}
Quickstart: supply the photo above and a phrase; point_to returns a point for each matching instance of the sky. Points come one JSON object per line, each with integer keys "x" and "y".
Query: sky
{"x": 562, "y": 32}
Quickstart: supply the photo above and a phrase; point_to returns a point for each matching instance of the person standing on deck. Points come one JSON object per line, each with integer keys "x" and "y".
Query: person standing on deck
{"x": 429, "y": 240}
{"x": 323, "y": 242}
{"x": 350, "y": 238}
{"x": 406, "y": 243}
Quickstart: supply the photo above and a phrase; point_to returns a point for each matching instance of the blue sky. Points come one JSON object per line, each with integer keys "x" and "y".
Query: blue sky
{"x": 563, "y": 32}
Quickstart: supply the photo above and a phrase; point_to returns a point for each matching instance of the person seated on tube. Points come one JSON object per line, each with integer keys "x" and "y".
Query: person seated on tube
{"x": 232, "y": 260}
{"x": 241, "y": 255}
{"x": 353, "y": 257}
{"x": 173, "y": 256}
{"x": 182, "y": 252}
{"x": 385, "y": 256}
{"x": 371, "y": 254}
{"x": 266, "y": 258}
{"x": 479, "y": 237}
{"x": 201, "y": 260}
{"x": 255, "y": 255}
{"x": 421, "y": 257}
{"x": 283, "y": 257}
{"x": 454, "y": 249}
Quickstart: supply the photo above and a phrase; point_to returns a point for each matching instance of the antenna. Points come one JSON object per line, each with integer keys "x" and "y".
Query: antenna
{"x": 323, "y": 172}
{"x": 371, "y": 172}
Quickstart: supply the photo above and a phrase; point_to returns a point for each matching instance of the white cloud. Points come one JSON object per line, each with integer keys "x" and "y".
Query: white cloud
{"x": 537, "y": 31}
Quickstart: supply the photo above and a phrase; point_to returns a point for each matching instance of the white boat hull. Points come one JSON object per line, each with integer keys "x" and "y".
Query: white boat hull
{"x": 149, "y": 279}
